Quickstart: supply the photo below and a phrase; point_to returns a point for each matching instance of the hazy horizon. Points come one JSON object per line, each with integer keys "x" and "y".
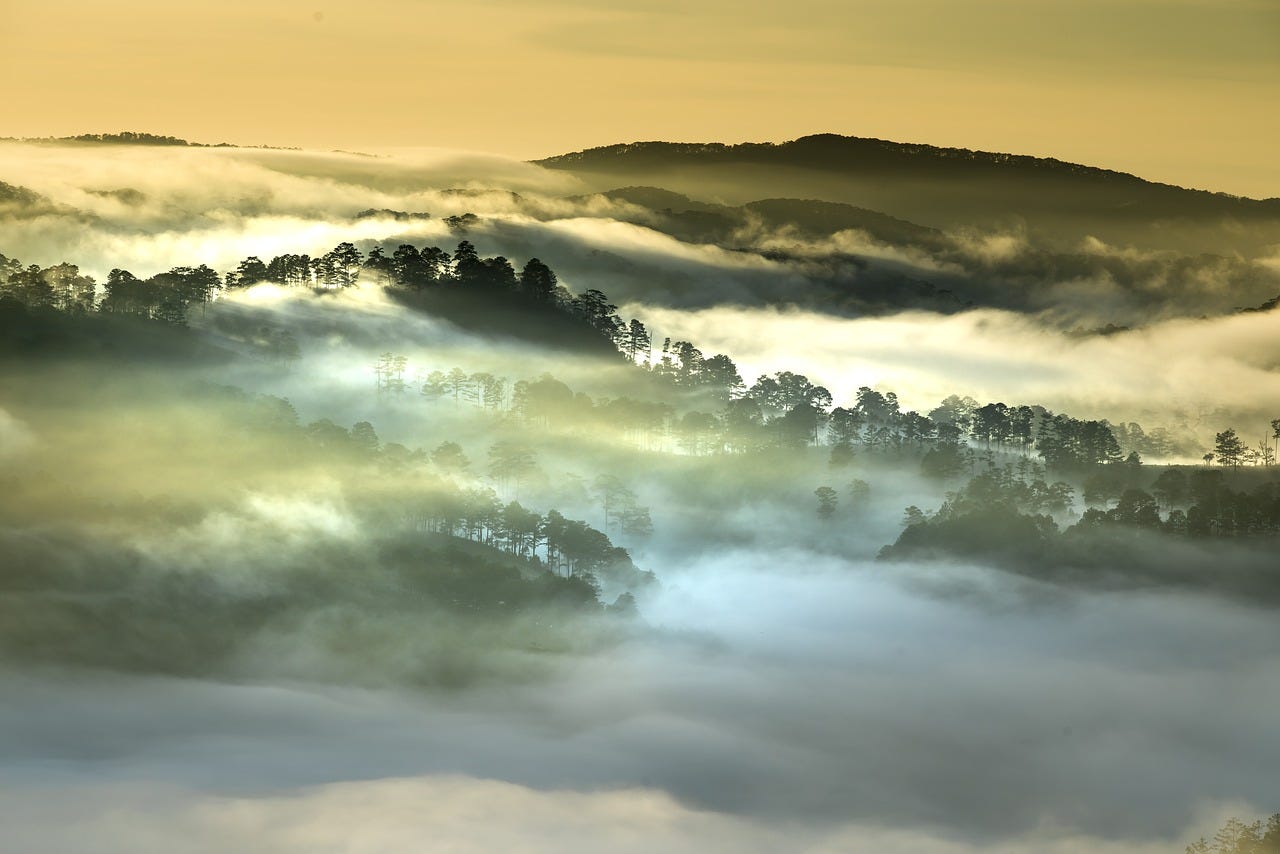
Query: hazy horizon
{"x": 1171, "y": 90}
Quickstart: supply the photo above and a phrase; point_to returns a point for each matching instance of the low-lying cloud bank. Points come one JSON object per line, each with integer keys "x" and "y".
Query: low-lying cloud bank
{"x": 1205, "y": 375}
{"x": 782, "y": 700}
{"x": 457, "y": 814}
{"x": 148, "y": 210}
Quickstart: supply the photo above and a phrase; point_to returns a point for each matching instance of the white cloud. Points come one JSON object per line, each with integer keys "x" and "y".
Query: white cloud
{"x": 454, "y": 814}
{"x": 1189, "y": 365}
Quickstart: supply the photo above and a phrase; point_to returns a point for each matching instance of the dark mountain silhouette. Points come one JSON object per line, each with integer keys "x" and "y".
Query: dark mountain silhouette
{"x": 951, "y": 270}
{"x": 130, "y": 137}
{"x": 942, "y": 187}
{"x": 126, "y": 137}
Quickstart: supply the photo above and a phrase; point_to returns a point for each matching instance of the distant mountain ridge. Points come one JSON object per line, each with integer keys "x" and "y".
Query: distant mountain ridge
{"x": 829, "y": 151}
{"x": 129, "y": 137}
{"x": 1054, "y": 202}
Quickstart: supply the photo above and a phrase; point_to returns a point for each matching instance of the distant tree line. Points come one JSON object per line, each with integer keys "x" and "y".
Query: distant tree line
{"x": 781, "y": 410}
{"x": 164, "y": 297}
{"x": 1239, "y": 837}
{"x": 1008, "y": 514}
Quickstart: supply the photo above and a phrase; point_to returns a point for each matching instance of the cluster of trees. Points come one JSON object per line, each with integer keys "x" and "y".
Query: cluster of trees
{"x": 788, "y": 410}
{"x": 622, "y": 510}
{"x": 1004, "y": 492}
{"x": 1230, "y": 450}
{"x": 784, "y": 409}
{"x": 544, "y": 401}
{"x": 1196, "y": 503}
{"x": 412, "y": 268}
{"x": 164, "y": 296}
{"x": 61, "y": 286}
{"x": 1239, "y": 837}
{"x": 451, "y": 505}
{"x": 570, "y": 548}
{"x": 480, "y": 389}
{"x": 987, "y": 519}
{"x": 1021, "y": 487}
{"x": 829, "y": 499}
{"x": 1009, "y": 512}
{"x": 512, "y": 464}
{"x": 167, "y": 296}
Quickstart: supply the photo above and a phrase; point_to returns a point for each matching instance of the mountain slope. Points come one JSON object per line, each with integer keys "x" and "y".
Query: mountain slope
{"x": 942, "y": 187}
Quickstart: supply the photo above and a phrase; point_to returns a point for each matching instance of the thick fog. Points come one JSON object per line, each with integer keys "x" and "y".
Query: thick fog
{"x": 781, "y": 700}
{"x": 240, "y": 608}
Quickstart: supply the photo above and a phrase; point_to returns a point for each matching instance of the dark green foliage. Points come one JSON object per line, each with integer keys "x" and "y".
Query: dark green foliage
{"x": 827, "y": 501}
{"x": 1068, "y": 444}
{"x": 538, "y": 281}
{"x": 1228, "y": 448}
{"x": 450, "y": 459}
{"x": 945, "y": 460}
{"x": 250, "y": 271}
{"x": 53, "y": 335}
{"x": 784, "y": 391}
{"x": 999, "y": 534}
{"x": 999, "y": 516}
{"x": 596, "y": 310}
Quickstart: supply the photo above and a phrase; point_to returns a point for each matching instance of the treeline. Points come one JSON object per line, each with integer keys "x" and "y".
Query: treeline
{"x": 784, "y": 409}
{"x": 129, "y": 137}
{"x": 60, "y": 287}
{"x": 164, "y": 297}
{"x": 788, "y": 410}
{"x": 1199, "y": 503}
{"x": 410, "y": 268}
{"x": 168, "y": 296}
{"x": 1230, "y": 450}
{"x": 1006, "y": 514}
{"x": 1239, "y": 837}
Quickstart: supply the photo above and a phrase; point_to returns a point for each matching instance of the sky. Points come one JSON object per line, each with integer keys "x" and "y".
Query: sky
{"x": 1173, "y": 90}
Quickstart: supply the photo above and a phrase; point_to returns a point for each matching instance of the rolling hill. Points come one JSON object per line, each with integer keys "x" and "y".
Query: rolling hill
{"x": 1057, "y": 202}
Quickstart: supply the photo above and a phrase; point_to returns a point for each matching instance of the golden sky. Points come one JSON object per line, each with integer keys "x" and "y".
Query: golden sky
{"x": 1186, "y": 91}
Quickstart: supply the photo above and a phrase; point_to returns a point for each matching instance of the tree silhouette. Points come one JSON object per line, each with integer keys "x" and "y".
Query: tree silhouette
{"x": 1170, "y": 487}
{"x": 511, "y": 464}
{"x": 827, "y": 500}
{"x": 538, "y": 281}
{"x": 468, "y": 269}
{"x": 594, "y": 307}
{"x": 720, "y": 376}
{"x": 1228, "y": 449}
{"x": 449, "y": 458}
{"x": 635, "y": 342}
{"x": 1237, "y": 837}
{"x": 248, "y": 272}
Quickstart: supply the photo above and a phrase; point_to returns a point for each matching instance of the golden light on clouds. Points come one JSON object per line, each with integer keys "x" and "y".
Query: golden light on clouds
{"x": 1175, "y": 90}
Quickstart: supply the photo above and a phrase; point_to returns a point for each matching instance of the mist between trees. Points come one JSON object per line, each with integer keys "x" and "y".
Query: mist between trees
{"x": 674, "y": 399}
{"x": 448, "y": 475}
